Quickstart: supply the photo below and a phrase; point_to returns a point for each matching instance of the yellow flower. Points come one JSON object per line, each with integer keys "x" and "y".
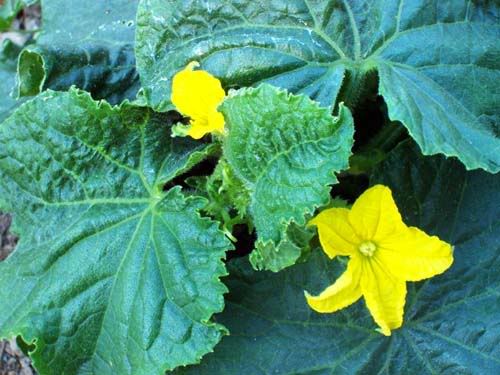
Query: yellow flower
{"x": 197, "y": 94}
{"x": 384, "y": 253}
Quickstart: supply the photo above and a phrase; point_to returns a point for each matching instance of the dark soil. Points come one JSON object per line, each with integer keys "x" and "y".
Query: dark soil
{"x": 7, "y": 240}
{"x": 13, "y": 361}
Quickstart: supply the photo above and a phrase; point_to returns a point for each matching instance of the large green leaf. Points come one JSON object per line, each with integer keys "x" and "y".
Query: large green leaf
{"x": 8, "y": 64}
{"x": 9, "y": 10}
{"x": 452, "y": 324}
{"x": 285, "y": 149}
{"x": 438, "y": 61}
{"x": 112, "y": 275}
{"x": 89, "y": 44}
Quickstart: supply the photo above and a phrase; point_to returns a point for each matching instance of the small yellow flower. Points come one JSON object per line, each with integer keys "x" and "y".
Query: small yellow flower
{"x": 384, "y": 253}
{"x": 197, "y": 94}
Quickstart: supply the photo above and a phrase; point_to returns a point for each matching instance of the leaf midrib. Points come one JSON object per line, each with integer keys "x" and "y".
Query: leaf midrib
{"x": 451, "y": 98}
{"x": 456, "y": 342}
{"x": 118, "y": 269}
{"x": 15, "y": 311}
{"x": 205, "y": 36}
{"x": 397, "y": 34}
{"x": 321, "y": 33}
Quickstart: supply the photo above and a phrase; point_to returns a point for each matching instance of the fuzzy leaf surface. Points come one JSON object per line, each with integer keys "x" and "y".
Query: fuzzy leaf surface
{"x": 438, "y": 61}
{"x": 285, "y": 149}
{"x": 451, "y": 321}
{"x": 91, "y": 47}
{"x": 111, "y": 275}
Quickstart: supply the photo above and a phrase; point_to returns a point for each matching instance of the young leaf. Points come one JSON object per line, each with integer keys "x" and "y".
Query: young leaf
{"x": 112, "y": 275}
{"x": 8, "y": 64}
{"x": 437, "y": 60}
{"x": 451, "y": 321}
{"x": 90, "y": 47}
{"x": 285, "y": 149}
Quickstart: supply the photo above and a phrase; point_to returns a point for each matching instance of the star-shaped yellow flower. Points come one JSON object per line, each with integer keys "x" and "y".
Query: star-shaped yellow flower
{"x": 384, "y": 253}
{"x": 197, "y": 94}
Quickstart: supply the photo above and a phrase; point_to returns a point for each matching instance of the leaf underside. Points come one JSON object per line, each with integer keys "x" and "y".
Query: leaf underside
{"x": 451, "y": 321}
{"x": 285, "y": 150}
{"x": 111, "y": 275}
{"x": 8, "y": 59}
{"x": 438, "y": 61}
{"x": 91, "y": 47}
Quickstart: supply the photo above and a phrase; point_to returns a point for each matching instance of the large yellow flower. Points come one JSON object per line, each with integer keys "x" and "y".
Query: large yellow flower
{"x": 384, "y": 253}
{"x": 197, "y": 94}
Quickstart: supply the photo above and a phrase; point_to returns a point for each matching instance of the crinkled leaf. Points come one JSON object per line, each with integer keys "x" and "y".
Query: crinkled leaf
{"x": 111, "y": 275}
{"x": 452, "y": 324}
{"x": 293, "y": 244}
{"x": 91, "y": 46}
{"x": 438, "y": 61}
{"x": 285, "y": 149}
{"x": 8, "y": 64}
{"x": 9, "y": 9}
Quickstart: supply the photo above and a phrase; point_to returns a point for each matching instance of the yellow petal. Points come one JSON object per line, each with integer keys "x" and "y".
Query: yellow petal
{"x": 201, "y": 126}
{"x": 375, "y": 215}
{"x": 336, "y": 235}
{"x": 342, "y": 293}
{"x": 196, "y": 93}
{"x": 384, "y": 295}
{"x": 414, "y": 255}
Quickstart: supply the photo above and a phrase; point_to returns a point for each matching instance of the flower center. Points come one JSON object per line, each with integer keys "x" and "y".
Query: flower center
{"x": 367, "y": 248}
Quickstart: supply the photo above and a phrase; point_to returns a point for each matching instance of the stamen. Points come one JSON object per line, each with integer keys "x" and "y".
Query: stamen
{"x": 367, "y": 248}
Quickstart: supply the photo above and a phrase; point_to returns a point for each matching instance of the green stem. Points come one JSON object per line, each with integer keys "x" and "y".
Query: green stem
{"x": 377, "y": 148}
{"x": 361, "y": 80}
{"x": 387, "y": 138}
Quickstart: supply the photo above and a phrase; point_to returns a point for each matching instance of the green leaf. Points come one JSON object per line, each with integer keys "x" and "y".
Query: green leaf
{"x": 293, "y": 244}
{"x": 10, "y": 9}
{"x": 285, "y": 149}
{"x": 112, "y": 275}
{"x": 8, "y": 64}
{"x": 447, "y": 97}
{"x": 452, "y": 325}
{"x": 438, "y": 61}
{"x": 243, "y": 43}
{"x": 90, "y": 47}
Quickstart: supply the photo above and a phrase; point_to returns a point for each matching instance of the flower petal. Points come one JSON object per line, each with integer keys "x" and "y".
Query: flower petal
{"x": 342, "y": 293}
{"x": 414, "y": 255}
{"x": 196, "y": 93}
{"x": 384, "y": 295}
{"x": 375, "y": 215}
{"x": 336, "y": 235}
{"x": 201, "y": 126}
